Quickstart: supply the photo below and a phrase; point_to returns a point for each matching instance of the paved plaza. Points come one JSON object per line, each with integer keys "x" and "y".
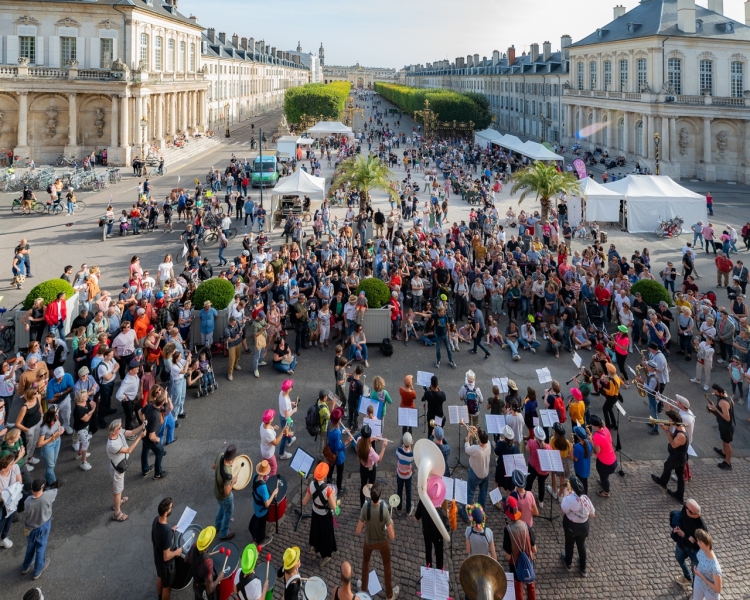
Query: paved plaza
{"x": 630, "y": 553}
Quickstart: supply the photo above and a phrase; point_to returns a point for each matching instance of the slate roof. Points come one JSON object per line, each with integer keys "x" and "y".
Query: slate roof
{"x": 659, "y": 18}
{"x": 159, "y": 7}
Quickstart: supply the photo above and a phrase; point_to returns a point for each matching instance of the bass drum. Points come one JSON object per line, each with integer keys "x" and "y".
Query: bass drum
{"x": 277, "y": 508}
{"x": 182, "y": 578}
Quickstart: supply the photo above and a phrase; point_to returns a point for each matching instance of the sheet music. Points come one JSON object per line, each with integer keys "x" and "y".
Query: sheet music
{"x": 577, "y": 360}
{"x": 544, "y": 375}
{"x": 549, "y": 417}
{"x": 619, "y": 407}
{"x": 376, "y": 425}
{"x": 434, "y": 584}
{"x": 515, "y": 462}
{"x": 536, "y": 421}
{"x": 691, "y": 452}
{"x": 496, "y": 496}
{"x": 550, "y": 460}
{"x": 501, "y": 383}
{"x": 364, "y": 402}
{"x": 632, "y": 371}
{"x": 495, "y": 423}
{"x": 510, "y": 591}
{"x": 458, "y": 412}
{"x": 373, "y": 585}
{"x": 302, "y": 462}
{"x": 185, "y": 520}
{"x": 461, "y": 492}
{"x": 423, "y": 378}
{"x": 438, "y": 421}
{"x": 408, "y": 417}
{"x": 448, "y": 481}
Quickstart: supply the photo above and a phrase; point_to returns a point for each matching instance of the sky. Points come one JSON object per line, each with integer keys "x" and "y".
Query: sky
{"x": 394, "y": 33}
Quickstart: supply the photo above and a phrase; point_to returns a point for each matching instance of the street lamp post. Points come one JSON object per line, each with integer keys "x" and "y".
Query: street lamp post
{"x": 226, "y": 112}
{"x": 144, "y": 124}
{"x": 657, "y": 139}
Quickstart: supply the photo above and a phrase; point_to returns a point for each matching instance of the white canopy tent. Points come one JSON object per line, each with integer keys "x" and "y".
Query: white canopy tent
{"x": 324, "y": 128}
{"x": 602, "y": 204}
{"x": 300, "y": 182}
{"x": 535, "y": 151}
{"x": 511, "y": 142}
{"x": 651, "y": 197}
{"x": 487, "y": 137}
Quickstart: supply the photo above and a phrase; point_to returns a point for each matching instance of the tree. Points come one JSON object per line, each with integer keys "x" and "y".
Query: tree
{"x": 545, "y": 182}
{"x": 366, "y": 173}
{"x": 316, "y": 100}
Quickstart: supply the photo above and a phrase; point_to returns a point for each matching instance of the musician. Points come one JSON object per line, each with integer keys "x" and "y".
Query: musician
{"x": 337, "y": 447}
{"x": 678, "y": 447}
{"x": 223, "y": 482}
{"x": 435, "y": 398}
{"x": 662, "y": 370}
{"x": 479, "y": 538}
{"x": 322, "y": 536}
{"x": 610, "y": 389}
{"x": 651, "y": 386}
{"x": 471, "y": 396}
{"x": 262, "y": 499}
{"x": 247, "y": 585}
{"x": 344, "y": 590}
{"x": 577, "y": 510}
{"x": 582, "y": 451}
{"x": 506, "y": 445}
{"x": 599, "y": 361}
{"x": 724, "y": 412}
{"x": 688, "y": 418}
{"x": 432, "y": 536}
{"x": 479, "y": 469}
{"x": 576, "y": 407}
{"x": 438, "y": 436}
{"x": 289, "y": 573}
{"x": 621, "y": 341}
{"x": 161, "y": 539}
{"x": 606, "y": 459}
{"x": 368, "y": 460}
{"x": 205, "y": 579}
{"x": 518, "y": 537}
{"x": 375, "y": 521}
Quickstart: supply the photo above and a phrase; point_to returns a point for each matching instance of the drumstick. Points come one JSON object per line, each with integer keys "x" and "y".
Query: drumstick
{"x": 226, "y": 559}
{"x": 268, "y": 564}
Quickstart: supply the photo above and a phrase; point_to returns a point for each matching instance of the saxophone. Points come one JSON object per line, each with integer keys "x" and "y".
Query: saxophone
{"x": 639, "y": 373}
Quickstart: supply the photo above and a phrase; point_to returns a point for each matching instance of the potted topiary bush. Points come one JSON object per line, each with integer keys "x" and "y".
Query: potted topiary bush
{"x": 377, "y": 321}
{"x": 652, "y": 292}
{"x": 375, "y": 290}
{"x": 48, "y": 290}
{"x": 220, "y": 292}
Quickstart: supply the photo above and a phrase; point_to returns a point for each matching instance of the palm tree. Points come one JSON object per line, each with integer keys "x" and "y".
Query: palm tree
{"x": 545, "y": 182}
{"x": 366, "y": 173}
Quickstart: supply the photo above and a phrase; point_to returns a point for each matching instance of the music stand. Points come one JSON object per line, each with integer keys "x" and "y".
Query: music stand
{"x": 618, "y": 445}
{"x": 550, "y": 460}
{"x": 454, "y": 418}
{"x": 302, "y": 463}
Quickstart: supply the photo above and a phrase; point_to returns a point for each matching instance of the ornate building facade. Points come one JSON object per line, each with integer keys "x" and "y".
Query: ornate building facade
{"x": 76, "y": 75}
{"x": 670, "y": 73}
{"x": 357, "y": 75}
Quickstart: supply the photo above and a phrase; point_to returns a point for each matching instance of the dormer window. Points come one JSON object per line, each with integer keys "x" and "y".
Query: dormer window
{"x": 602, "y": 32}
{"x": 698, "y": 24}
{"x": 633, "y": 27}
{"x": 725, "y": 27}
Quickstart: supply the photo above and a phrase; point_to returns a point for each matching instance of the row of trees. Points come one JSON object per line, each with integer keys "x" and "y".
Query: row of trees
{"x": 315, "y": 100}
{"x": 447, "y": 104}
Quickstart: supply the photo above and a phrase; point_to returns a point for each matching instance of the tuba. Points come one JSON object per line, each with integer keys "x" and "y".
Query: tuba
{"x": 482, "y": 578}
{"x": 429, "y": 461}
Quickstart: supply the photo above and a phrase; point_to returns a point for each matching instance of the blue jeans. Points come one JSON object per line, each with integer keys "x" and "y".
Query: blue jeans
{"x": 471, "y": 487}
{"x": 229, "y": 189}
{"x": 681, "y": 554}
{"x": 442, "y": 339}
{"x": 525, "y": 344}
{"x": 177, "y": 392}
{"x": 36, "y": 547}
{"x": 166, "y": 433}
{"x": 222, "y": 260}
{"x": 282, "y": 368}
{"x": 697, "y": 237}
{"x": 258, "y": 354}
{"x": 400, "y": 485}
{"x": 71, "y": 207}
{"x": 669, "y": 284}
{"x": 513, "y": 347}
{"x": 49, "y": 454}
{"x": 224, "y": 514}
{"x": 653, "y": 409}
{"x": 134, "y": 224}
{"x": 158, "y": 451}
{"x": 352, "y": 350}
{"x": 285, "y": 439}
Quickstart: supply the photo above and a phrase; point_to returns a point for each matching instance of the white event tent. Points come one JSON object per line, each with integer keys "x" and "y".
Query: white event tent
{"x": 602, "y": 204}
{"x": 651, "y": 197}
{"x": 487, "y": 137}
{"x": 535, "y": 151}
{"x": 324, "y": 128}
{"x": 300, "y": 182}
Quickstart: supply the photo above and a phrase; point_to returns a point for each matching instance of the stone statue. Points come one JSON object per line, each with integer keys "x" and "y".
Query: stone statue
{"x": 566, "y": 85}
{"x": 118, "y": 65}
{"x": 73, "y": 64}
{"x": 99, "y": 122}
{"x": 667, "y": 88}
{"x": 51, "y": 113}
{"x": 722, "y": 141}
{"x": 142, "y": 65}
{"x": 204, "y": 69}
{"x": 683, "y": 142}
{"x": 23, "y": 61}
{"x": 645, "y": 88}
{"x": 283, "y": 126}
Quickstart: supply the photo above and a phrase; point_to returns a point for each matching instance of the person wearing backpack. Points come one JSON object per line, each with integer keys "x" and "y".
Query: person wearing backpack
{"x": 479, "y": 537}
{"x": 479, "y": 469}
{"x": 520, "y": 549}
{"x": 577, "y": 509}
{"x": 322, "y": 535}
{"x": 317, "y": 418}
{"x": 471, "y": 396}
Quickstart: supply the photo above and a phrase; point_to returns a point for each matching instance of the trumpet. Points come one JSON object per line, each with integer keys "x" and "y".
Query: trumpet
{"x": 652, "y": 421}
{"x": 710, "y": 404}
{"x": 471, "y": 429}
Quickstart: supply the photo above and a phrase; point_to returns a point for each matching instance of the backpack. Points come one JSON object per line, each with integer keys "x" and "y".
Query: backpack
{"x": 524, "y": 567}
{"x": 560, "y": 408}
{"x": 386, "y": 347}
{"x": 471, "y": 400}
{"x": 312, "y": 420}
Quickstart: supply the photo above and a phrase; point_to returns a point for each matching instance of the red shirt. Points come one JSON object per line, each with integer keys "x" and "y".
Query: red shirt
{"x": 395, "y": 309}
{"x": 602, "y": 295}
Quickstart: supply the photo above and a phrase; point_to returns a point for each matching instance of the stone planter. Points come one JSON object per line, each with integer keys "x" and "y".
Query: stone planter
{"x": 22, "y": 336}
{"x": 377, "y": 325}
{"x": 222, "y": 319}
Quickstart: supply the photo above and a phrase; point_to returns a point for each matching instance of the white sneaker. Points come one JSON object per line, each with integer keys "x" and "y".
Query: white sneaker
{"x": 34, "y": 461}
{"x": 720, "y": 361}
{"x": 551, "y": 492}
{"x": 85, "y": 466}
{"x": 705, "y": 388}
{"x": 285, "y": 456}
{"x": 29, "y": 468}
{"x": 69, "y": 431}
{"x": 533, "y": 350}
{"x": 694, "y": 381}
{"x": 290, "y": 442}
{"x": 77, "y": 446}
{"x": 396, "y": 590}
{"x": 6, "y": 543}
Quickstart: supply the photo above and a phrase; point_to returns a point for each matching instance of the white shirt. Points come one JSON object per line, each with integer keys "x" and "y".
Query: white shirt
{"x": 253, "y": 590}
{"x": 128, "y": 387}
{"x": 175, "y": 372}
{"x": 688, "y": 419}
{"x": 164, "y": 270}
{"x": 124, "y": 343}
{"x": 479, "y": 459}
{"x": 285, "y": 405}
{"x": 267, "y": 436}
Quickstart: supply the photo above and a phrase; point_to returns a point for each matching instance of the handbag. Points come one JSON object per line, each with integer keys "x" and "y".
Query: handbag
{"x": 329, "y": 455}
{"x": 122, "y": 466}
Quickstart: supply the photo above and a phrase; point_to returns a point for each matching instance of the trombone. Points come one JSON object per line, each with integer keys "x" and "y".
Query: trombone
{"x": 652, "y": 421}
{"x": 645, "y": 391}
{"x": 471, "y": 429}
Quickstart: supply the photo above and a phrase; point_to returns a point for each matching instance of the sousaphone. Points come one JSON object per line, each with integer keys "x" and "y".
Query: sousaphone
{"x": 429, "y": 461}
{"x": 482, "y": 578}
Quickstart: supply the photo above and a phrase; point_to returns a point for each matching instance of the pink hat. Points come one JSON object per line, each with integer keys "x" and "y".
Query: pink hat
{"x": 269, "y": 415}
{"x": 436, "y": 490}
{"x": 287, "y": 385}
{"x": 576, "y": 393}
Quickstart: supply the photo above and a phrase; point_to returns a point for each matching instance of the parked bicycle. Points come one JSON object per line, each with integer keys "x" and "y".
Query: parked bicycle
{"x": 62, "y": 160}
{"x": 669, "y": 228}
{"x": 8, "y": 330}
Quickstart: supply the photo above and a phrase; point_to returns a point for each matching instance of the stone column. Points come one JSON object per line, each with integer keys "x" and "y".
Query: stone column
{"x": 173, "y": 114}
{"x": 139, "y": 140}
{"x": 651, "y": 132}
{"x": 706, "y": 140}
{"x": 665, "y": 139}
{"x": 626, "y": 134}
{"x": 23, "y": 119}
{"x": 114, "y": 122}
{"x": 72, "y": 120}
{"x": 159, "y": 100}
{"x": 644, "y": 139}
{"x": 124, "y": 125}
{"x": 183, "y": 112}
{"x": 568, "y": 121}
{"x": 611, "y": 143}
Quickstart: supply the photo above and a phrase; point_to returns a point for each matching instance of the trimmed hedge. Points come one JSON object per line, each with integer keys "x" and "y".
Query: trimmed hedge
{"x": 315, "y": 99}
{"x": 219, "y": 291}
{"x": 376, "y": 292}
{"x": 48, "y": 290}
{"x": 447, "y": 104}
{"x": 652, "y": 292}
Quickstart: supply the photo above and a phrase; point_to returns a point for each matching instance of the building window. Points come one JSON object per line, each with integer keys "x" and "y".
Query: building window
{"x": 592, "y": 75}
{"x": 181, "y": 58}
{"x": 738, "y": 79}
{"x": 106, "y": 46}
{"x": 607, "y": 75}
{"x": 67, "y": 50}
{"x": 533, "y": 107}
{"x": 642, "y": 73}
{"x": 192, "y": 58}
{"x": 27, "y": 47}
{"x": 170, "y": 56}
{"x": 157, "y": 52}
{"x": 580, "y": 75}
{"x": 674, "y": 74}
{"x": 639, "y": 138}
{"x": 707, "y": 77}
{"x": 624, "y": 75}
{"x": 144, "y": 49}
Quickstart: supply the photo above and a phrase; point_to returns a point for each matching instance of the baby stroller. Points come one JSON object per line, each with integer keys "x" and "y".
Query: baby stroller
{"x": 595, "y": 316}
{"x": 207, "y": 383}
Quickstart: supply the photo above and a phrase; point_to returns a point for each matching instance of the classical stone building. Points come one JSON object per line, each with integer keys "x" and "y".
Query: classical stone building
{"x": 671, "y": 68}
{"x": 357, "y": 75}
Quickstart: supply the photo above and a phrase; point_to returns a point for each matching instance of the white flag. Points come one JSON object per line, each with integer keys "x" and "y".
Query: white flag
{"x": 178, "y": 179}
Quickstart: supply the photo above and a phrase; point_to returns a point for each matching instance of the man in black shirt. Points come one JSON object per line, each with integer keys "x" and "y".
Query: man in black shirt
{"x": 161, "y": 539}
{"x": 355, "y": 388}
{"x": 441, "y": 333}
{"x": 435, "y": 398}
{"x": 569, "y": 316}
{"x": 683, "y": 533}
{"x": 152, "y": 441}
{"x": 639, "y": 310}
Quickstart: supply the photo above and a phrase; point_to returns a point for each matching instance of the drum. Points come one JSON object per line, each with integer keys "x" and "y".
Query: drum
{"x": 362, "y": 596}
{"x": 278, "y": 507}
{"x": 182, "y": 577}
{"x": 242, "y": 468}
{"x": 315, "y": 589}
{"x": 230, "y": 563}
{"x": 187, "y": 539}
{"x": 366, "y": 490}
{"x": 260, "y": 571}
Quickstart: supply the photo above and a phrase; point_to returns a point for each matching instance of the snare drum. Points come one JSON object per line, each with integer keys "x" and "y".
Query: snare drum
{"x": 315, "y": 589}
{"x": 260, "y": 571}
{"x": 230, "y": 564}
{"x": 362, "y": 596}
{"x": 187, "y": 539}
{"x": 278, "y": 507}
